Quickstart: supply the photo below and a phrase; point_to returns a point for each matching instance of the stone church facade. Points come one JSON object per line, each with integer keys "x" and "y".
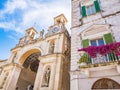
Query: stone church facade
{"x": 45, "y": 63}
{"x": 41, "y": 63}
{"x": 95, "y": 23}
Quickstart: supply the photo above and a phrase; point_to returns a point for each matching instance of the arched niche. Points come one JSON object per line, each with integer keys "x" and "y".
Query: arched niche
{"x": 52, "y": 47}
{"x": 106, "y": 83}
{"x": 46, "y": 76}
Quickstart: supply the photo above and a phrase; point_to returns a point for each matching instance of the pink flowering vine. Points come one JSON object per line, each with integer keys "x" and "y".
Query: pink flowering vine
{"x": 103, "y": 50}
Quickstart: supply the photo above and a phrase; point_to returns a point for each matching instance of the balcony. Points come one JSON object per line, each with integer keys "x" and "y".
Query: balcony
{"x": 100, "y": 55}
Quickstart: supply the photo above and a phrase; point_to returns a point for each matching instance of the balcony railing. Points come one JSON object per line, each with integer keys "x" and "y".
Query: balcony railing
{"x": 101, "y": 59}
{"x": 100, "y": 54}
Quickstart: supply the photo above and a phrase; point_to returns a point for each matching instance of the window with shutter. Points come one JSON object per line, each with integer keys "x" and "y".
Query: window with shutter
{"x": 91, "y": 9}
{"x": 84, "y": 11}
{"x": 97, "y": 42}
{"x": 85, "y": 43}
{"x": 108, "y": 38}
{"x": 97, "y": 6}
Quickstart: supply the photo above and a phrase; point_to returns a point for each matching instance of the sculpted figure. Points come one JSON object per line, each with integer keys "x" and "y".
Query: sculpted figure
{"x": 41, "y": 33}
{"x": 46, "y": 78}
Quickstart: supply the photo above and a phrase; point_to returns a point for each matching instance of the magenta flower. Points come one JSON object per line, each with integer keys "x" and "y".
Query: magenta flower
{"x": 103, "y": 50}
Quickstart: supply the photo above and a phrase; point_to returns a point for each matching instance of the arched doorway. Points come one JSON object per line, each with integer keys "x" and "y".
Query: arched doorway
{"x": 29, "y": 71}
{"x": 106, "y": 83}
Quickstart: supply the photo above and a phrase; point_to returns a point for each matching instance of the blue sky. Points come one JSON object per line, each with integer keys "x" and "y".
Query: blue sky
{"x": 18, "y": 15}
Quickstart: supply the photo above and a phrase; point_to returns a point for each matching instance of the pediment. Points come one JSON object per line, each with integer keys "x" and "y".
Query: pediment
{"x": 95, "y": 29}
{"x": 86, "y": 2}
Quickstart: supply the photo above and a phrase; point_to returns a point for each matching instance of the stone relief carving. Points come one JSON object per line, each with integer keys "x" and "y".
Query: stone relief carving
{"x": 46, "y": 78}
{"x": 25, "y": 40}
{"x": 106, "y": 84}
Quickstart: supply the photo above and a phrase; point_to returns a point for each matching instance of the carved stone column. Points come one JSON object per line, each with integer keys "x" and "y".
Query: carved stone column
{"x": 2, "y": 77}
{"x": 58, "y": 74}
{"x": 13, "y": 77}
{"x": 52, "y": 77}
{"x": 38, "y": 77}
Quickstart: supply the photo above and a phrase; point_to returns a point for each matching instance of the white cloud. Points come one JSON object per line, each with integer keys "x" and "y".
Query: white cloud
{"x": 11, "y": 5}
{"x": 7, "y": 25}
{"x": 34, "y": 11}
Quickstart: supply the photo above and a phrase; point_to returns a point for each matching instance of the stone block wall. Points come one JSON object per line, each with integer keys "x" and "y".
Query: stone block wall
{"x": 109, "y": 15}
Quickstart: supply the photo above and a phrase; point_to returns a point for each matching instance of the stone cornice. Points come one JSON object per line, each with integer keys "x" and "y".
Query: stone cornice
{"x": 12, "y": 64}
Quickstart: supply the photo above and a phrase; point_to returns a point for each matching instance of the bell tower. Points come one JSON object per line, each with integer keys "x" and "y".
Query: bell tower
{"x": 53, "y": 73}
{"x": 60, "y": 19}
{"x": 31, "y": 32}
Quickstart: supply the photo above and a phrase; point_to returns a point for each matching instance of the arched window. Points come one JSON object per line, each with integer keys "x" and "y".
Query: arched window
{"x": 52, "y": 46}
{"x": 46, "y": 77}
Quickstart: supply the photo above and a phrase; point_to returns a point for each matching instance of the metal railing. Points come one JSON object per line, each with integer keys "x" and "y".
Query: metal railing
{"x": 101, "y": 59}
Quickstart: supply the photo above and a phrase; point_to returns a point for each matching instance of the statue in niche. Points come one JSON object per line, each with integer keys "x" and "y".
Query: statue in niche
{"x": 41, "y": 34}
{"x": 46, "y": 78}
{"x": 51, "y": 49}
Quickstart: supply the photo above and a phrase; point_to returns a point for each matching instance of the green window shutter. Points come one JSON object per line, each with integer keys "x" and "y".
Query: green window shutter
{"x": 85, "y": 43}
{"x": 108, "y": 38}
{"x": 97, "y": 6}
{"x": 84, "y": 11}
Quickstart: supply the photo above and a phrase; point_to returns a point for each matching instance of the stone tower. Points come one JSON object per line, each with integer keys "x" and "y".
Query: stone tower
{"x": 41, "y": 63}
{"x": 95, "y": 26}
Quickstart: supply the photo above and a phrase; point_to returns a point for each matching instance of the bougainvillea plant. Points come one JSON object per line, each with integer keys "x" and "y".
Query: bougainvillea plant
{"x": 103, "y": 50}
{"x": 83, "y": 58}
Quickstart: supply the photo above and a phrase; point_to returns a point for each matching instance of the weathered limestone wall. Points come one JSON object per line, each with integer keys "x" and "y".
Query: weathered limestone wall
{"x": 109, "y": 15}
{"x": 86, "y": 81}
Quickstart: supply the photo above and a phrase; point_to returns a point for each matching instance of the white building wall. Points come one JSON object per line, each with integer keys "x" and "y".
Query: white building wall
{"x": 110, "y": 15}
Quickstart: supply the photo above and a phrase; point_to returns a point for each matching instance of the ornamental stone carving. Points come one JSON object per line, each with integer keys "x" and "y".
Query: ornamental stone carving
{"x": 106, "y": 83}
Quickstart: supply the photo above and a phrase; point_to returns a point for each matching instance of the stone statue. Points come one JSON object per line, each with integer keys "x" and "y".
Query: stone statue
{"x": 51, "y": 49}
{"x": 41, "y": 33}
{"x": 46, "y": 78}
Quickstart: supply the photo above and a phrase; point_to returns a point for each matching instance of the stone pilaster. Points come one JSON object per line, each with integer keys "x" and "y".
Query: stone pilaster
{"x": 58, "y": 74}
{"x": 13, "y": 77}
{"x": 38, "y": 79}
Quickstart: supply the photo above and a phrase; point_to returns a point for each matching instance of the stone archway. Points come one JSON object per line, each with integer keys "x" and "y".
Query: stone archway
{"x": 29, "y": 71}
{"x": 106, "y": 83}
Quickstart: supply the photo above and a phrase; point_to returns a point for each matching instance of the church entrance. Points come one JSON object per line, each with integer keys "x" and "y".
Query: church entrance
{"x": 28, "y": 73}
{"x": 106, "y": 83}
